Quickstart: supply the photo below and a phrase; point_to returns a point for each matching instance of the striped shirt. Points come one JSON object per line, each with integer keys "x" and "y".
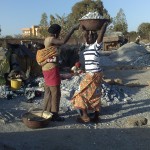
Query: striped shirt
{"x": 91, "y": 55}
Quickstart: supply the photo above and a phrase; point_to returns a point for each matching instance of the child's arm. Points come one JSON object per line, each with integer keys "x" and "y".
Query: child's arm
{"x": 52, "y": 60}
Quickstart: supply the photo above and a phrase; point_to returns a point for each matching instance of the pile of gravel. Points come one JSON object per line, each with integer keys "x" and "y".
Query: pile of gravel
{"x": 92, "y": 15}
{"x": 105, "y": 61}
{"x": 111, "y": 94}
{"x": 128, "y": 53}
{"x": 142, "y": 61}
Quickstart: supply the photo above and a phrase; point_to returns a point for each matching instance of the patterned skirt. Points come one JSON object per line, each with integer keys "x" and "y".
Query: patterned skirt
{"x": 89, "y": 93}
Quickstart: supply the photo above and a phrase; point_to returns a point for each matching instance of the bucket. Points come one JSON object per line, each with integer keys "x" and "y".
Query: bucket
{"x": 16, "y": 84}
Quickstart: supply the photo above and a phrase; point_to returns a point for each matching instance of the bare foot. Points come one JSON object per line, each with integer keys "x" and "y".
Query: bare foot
{"x": 83, "y": 119}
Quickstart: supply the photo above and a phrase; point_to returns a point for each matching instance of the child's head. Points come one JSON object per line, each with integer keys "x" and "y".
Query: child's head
{"x": 77, "y": 64}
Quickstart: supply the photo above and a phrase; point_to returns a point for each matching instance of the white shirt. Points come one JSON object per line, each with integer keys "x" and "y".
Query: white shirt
{"x": 91, "y": 55}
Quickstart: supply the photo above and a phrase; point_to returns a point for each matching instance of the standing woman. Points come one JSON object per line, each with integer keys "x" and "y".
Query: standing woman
{"x": 50, "y": 71}
{"x": 88, "y": 96}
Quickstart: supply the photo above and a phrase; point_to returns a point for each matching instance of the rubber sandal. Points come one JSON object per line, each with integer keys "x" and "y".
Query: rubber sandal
{"x": 81, "y": 120}
{"x": 95, "y": 120}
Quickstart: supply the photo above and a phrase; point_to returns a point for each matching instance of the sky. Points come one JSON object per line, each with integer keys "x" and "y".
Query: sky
{"x": 18, "y": 14}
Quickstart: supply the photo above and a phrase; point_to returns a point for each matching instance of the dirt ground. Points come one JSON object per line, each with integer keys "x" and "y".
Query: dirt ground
{"x": 106, "y": 135}
{"x": 111, "y": 133}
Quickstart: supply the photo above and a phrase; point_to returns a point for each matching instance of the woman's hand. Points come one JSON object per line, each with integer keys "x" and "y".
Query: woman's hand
{"x": 53, "y": 59}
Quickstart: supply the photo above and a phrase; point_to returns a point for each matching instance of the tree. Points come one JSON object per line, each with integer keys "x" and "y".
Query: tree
{"x": 0, "y": 30}
{"x": 82, "y": 8}
{"x": 43, "y": 21}
{"x": 43, "y": 26}
{"x": 62, "y": 21}
{"x": 78, "y": 10}
{"x": 120, "y": 23}
{"x": 144, "y": 30}
{"x": 9, "y": 37}
{"x": 18, "y": 36}
{"x": 133, "y": 35}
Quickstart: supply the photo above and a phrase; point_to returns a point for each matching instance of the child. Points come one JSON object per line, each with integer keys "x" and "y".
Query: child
{"x": 76, "y": 69}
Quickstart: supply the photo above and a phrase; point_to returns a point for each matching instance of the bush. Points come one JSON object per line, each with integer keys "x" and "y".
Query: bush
{"x": 2, "y": 80}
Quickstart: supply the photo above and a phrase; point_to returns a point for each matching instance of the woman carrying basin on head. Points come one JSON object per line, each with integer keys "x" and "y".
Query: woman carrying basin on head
{"x": 88, "y": 95}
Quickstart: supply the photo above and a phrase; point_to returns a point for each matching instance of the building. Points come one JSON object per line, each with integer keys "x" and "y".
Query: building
{"x": 33, "y": 31}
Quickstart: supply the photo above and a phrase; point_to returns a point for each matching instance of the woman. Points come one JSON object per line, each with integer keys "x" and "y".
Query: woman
{"x": 50, "y": 71}
{"x": 88, "y": 96}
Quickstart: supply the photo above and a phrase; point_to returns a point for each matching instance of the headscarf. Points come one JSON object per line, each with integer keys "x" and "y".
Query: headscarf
{"x": 54, "y": 29}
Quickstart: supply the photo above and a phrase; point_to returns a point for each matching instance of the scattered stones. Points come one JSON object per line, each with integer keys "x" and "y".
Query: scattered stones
{"x": 136, "y": 121}
{"x": 134, "y": 84}
{"x": 114, "y": 81}
{"x": 2, "y": 120}
{"x": 115, "y": 99}
{"x": 92, "y": 15}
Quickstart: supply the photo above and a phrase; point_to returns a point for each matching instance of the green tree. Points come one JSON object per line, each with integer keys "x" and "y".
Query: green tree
{"x": 144, "y": 30}
{"x": 82, "y": 8}
{"x": 120, "y": 22}
{"x": 0, "y": 30}
{"x": 43, "y": 26}
{"x": 62, "y": 21}
{"x": 43, "y": 21}
{"x": 9, "y": 37}
{"x": 78, "y": 10}
{"x": 133, "y": 35}
{"x": 18, "y": 36}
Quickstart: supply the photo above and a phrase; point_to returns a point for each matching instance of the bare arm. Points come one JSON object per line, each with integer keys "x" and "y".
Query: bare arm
{"x": 65, "y": 40}
{"x": 49, "y": 60}
{"x": 102, "y": 32}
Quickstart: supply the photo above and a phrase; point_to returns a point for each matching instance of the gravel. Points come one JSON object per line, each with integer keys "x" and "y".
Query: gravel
{"x": 92, "y": 15}
{"x": 123, "y": 107}
{"x": 128, "y": 53}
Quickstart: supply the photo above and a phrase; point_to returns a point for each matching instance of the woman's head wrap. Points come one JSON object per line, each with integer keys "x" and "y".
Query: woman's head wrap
{"x": 54, "y": 29}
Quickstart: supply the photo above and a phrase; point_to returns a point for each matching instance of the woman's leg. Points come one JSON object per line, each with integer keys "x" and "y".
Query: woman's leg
{"x": 84, "y": 114}
{"x": 56, "y": 94}
{"x": 84, "y": 118}
{"x": 47, "y": 98}
{"x": 96, "y": 117}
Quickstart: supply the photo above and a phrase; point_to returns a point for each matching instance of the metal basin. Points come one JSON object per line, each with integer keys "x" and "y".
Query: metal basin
{"x": 92, "y": 24}
{"x": 36, "y": 119}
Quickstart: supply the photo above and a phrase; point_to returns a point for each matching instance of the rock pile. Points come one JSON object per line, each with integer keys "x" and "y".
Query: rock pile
{"x": 142, "y": 61}
{"x": 92, "y": 15}
{"x": 111, "y": 94}
{"x": 128, "y": 54}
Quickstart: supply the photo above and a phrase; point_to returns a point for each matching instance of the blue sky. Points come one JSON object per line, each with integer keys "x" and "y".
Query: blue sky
{"x": 17, "y": 14}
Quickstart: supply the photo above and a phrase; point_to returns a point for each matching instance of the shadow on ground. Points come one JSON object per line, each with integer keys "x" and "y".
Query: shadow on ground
{"x": 77, "y": 139}
{"x": 134, "y": 108}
